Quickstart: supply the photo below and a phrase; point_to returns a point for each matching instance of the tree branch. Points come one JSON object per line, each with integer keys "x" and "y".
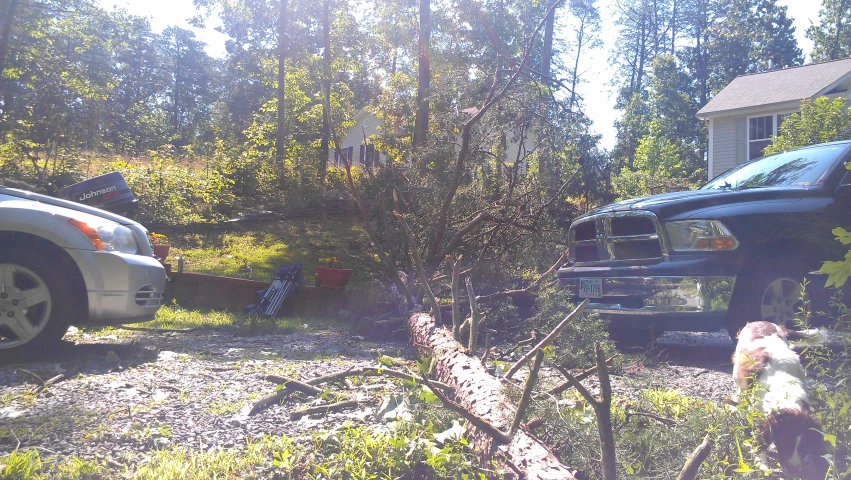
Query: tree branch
{"x": 547, "y": 340}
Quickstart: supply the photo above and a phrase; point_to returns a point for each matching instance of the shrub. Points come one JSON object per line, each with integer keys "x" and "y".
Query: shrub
{"x": 174, "y": 193}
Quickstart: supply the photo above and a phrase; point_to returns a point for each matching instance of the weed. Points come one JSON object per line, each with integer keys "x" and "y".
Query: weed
{"x": 76, "y": 468}
{"x": 224, "y": 408}
{"x": 144, "y": 433}
{"x": 22, "y": 466}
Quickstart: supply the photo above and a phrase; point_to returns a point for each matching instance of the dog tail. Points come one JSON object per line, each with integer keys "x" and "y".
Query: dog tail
{"x": 811, "y": 337}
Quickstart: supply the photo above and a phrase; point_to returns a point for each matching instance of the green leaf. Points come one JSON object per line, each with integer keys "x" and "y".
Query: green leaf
{"x": 842, "y": 235}
{"x": 831, "y": 439}
{"x": 427, "y": 396}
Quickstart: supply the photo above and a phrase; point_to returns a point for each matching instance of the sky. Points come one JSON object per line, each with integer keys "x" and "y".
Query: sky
{"x": 598, "y": 95}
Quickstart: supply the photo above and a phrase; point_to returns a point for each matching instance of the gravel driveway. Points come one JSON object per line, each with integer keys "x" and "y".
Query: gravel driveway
{"x": 135, "y": 391}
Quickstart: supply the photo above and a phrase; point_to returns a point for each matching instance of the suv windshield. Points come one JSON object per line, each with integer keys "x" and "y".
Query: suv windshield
{"x": 797, "y": 168}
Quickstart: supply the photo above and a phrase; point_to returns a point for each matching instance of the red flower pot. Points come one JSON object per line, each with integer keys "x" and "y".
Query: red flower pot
{"x": 333, "y": 277}
{"x": 161, "y": 251}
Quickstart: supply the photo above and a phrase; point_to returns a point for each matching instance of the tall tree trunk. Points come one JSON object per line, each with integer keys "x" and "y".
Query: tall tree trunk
{"x": 840, "y": 12}
{"x": 674, "y": 28}
{"x": 579, "y": 41}
{"x": 545, "y": 162}
{"x": 701, "y": 37}
{"x": 326, "y": 89}
{"x": 424, "y": 77}
{"x": 642, "y": 55}
{"x": 281, "y": 138}
{"x": 4, "y": 43}
{"x": 177, "y": 99}
{"x": 548, "y": 44}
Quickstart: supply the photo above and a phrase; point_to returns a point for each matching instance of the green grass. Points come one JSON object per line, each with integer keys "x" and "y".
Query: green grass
{"x": 272, "y": 245}
{"x": 177, "y": 317}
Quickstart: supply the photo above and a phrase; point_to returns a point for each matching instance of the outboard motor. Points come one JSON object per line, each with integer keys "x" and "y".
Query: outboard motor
{"x": 108, "y": 192}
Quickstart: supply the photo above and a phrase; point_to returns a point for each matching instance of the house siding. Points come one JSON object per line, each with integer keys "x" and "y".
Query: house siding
{"x": 725, "y": 139}
{"x": 366, "y": 125}
{"x": 513, "y": 146}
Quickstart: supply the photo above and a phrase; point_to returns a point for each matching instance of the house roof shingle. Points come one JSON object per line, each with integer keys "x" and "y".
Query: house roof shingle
{"x": 778, "y": 86}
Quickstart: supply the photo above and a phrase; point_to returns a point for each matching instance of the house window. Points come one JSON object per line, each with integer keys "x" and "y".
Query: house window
{"x": 760, "y": 131}
{"x": 370, "y": 158}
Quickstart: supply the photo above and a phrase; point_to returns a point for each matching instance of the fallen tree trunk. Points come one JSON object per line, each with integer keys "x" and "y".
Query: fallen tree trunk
{"x": 480, "y": 393}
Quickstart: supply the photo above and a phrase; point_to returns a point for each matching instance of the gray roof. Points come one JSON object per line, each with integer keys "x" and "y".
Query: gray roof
{"x": 779, "y": 86}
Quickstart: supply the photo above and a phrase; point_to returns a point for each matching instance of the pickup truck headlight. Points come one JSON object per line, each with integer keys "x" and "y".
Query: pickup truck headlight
{"x": 700, "y": 235}
{"x": 107, "y": 236}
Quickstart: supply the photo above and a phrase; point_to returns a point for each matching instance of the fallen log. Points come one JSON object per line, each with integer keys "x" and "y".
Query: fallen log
{"x": 481, "y": 394}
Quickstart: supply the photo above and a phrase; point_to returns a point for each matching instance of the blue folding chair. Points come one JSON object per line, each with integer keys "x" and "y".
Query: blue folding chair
{"x": 285, "y": 283}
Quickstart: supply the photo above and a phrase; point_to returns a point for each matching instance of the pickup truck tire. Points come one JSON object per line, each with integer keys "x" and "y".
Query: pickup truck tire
{"x": 629, "y": 338}
{"x": 36, "y": 303}
{"x": 769, "y": 291}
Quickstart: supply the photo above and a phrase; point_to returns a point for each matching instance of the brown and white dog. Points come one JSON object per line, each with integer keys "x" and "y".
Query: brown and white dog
{"x": 764, "y": 355}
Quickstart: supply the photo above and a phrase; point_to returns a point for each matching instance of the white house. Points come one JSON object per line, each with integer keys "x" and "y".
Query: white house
{"x": 357, "y": 144}
{"x": 746, "y": 113}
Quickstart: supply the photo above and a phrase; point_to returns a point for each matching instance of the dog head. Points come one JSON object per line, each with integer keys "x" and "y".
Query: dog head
{"x": 800, "y": 445}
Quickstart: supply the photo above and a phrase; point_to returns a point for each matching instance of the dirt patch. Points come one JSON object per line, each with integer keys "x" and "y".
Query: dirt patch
{"x": 138, "y": 391}
{"x": 148, "y": 390}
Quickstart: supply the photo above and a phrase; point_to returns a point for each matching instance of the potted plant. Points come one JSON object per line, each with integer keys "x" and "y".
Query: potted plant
{"x": 160, "y": 244}
{"x": 330, "y": 275}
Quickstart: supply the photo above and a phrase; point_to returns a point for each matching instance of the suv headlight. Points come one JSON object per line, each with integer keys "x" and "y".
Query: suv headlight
{"x": 106, "y": 236}
{"x": 700, "y": 235}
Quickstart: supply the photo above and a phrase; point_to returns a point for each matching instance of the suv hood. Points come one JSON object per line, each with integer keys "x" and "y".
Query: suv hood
{"x": 667, "y": 205}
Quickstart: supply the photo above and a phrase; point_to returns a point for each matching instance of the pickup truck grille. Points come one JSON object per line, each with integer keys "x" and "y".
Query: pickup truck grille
{"x": 616, "y": 237}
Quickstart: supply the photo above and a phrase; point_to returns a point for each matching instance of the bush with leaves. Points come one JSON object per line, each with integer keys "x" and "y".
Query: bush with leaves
{"x": 820, "y": 120}
{"x": 172, "y": 192}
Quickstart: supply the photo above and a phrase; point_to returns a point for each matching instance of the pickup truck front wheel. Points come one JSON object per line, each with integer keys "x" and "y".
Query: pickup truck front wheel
{"x": 771, "y": 291}
{"x": 629, "y": 338}
{"x": 35, "y": 302}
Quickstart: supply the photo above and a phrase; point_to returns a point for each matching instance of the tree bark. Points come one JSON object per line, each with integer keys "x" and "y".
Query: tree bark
{"x": 326, "y": 90}
{"x": 546, "y": 62}
{"x": 4, "y": 40}
{"x": 478, "y": 392}
{"x": 692, "y": 465}
{"x": 281, "y": 136}
{"x": 424, "y": 76}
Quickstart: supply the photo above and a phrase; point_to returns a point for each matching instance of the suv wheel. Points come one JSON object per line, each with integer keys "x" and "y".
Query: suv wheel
{"x": 771, "y": 291}
{"x": 35, "y": 302}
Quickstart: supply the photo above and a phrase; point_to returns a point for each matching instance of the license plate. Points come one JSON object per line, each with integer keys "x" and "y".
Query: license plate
{"x": 590, "y": 287}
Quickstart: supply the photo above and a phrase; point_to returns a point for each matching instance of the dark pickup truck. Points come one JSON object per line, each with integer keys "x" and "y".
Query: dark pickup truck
{"x": 735, "y": 250}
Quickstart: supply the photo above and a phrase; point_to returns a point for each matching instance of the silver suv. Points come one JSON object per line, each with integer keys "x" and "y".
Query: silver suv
{"x": 63, "y": 263}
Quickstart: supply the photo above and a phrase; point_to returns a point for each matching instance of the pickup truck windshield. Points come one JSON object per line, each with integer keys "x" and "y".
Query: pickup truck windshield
{"x": 797, "y": 168}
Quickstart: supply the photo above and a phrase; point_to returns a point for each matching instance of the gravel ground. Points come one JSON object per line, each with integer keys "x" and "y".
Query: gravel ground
{"x": 136, "y": 391}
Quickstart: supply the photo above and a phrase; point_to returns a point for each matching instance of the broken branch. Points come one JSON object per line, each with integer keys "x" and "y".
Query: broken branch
{"x": 689, "y": 471}
{"x": 527, "y": 392}
{"x": 581, "y": 376}
{"x": 547, "y": 340}
{"x": 32, "y": 376}
{"x": 331, "y": 407}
